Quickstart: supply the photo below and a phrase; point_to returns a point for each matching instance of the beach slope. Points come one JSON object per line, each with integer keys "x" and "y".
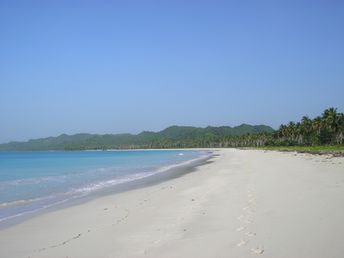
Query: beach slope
{"x": 244, "y": 203}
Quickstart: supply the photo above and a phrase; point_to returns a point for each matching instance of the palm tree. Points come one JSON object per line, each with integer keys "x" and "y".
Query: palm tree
{"x": 306, "y": 129}
{"x": 291, "y": 132}
{"x": 316, "y": 126}
{"x": 340, "y": 133}
{"x": 330, "y": 124}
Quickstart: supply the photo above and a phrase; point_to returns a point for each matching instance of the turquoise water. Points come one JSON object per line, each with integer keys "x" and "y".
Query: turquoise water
{"x": 33, "y": 181}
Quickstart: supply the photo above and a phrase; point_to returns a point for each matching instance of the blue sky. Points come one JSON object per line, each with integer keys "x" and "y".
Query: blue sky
{"x": 128, "y": 66}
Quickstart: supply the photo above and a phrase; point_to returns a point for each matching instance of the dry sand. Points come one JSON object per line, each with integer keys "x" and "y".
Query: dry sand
{"x": 244, "y": 204}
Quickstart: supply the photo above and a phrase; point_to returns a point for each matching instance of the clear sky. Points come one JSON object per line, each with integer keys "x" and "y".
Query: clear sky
{"x": 127, "y": 66}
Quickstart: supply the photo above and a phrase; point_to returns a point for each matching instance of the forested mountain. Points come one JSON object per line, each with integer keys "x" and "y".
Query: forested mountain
{"x": 327, "y": 129}
{"x": 171, "y": 137}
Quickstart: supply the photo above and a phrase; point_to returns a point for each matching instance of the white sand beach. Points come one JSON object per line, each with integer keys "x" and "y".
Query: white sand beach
{"x": 245, "y": 203}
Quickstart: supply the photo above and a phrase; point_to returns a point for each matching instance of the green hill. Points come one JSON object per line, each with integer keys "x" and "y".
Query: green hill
{"x": 171, "y": 137}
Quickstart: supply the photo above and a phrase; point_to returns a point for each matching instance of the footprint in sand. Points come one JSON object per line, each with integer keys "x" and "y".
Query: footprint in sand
{"x": 240, "y": 229}
{"x": 241, "y": 217}
{"x": 250, "y": 234}
{"x": 242, "y": 242}
{"x": 246, "y": 208}
{"x": 257, "y": 250}
{"x": 249, "y": 221}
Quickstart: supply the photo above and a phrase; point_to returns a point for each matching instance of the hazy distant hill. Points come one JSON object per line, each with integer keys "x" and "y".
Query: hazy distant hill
{"x": 174, "y": 136}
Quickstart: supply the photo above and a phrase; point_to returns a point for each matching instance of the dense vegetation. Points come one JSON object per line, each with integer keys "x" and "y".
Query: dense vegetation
{"x": 171, "y": 137}
{"x": 324, "y": 130}
{"x": 327, "y": 129}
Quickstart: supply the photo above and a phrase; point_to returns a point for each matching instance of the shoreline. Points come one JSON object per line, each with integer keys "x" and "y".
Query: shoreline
{"x": 241, "y": 203}
{"x": 172, "y": 171}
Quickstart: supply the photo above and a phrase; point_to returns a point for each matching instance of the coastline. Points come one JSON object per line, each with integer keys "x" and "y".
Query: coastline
{"x": 161, "y": 174}
{"x": 238, "y": 204}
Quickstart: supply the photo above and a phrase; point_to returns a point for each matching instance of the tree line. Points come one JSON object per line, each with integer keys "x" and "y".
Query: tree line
{"x": 326, "y": 129}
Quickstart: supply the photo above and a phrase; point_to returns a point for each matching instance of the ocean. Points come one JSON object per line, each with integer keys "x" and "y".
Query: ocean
{"x": 31, "y": 182}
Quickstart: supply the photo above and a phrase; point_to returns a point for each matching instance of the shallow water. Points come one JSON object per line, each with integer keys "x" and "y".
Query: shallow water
{"x": 34, "y": 181}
